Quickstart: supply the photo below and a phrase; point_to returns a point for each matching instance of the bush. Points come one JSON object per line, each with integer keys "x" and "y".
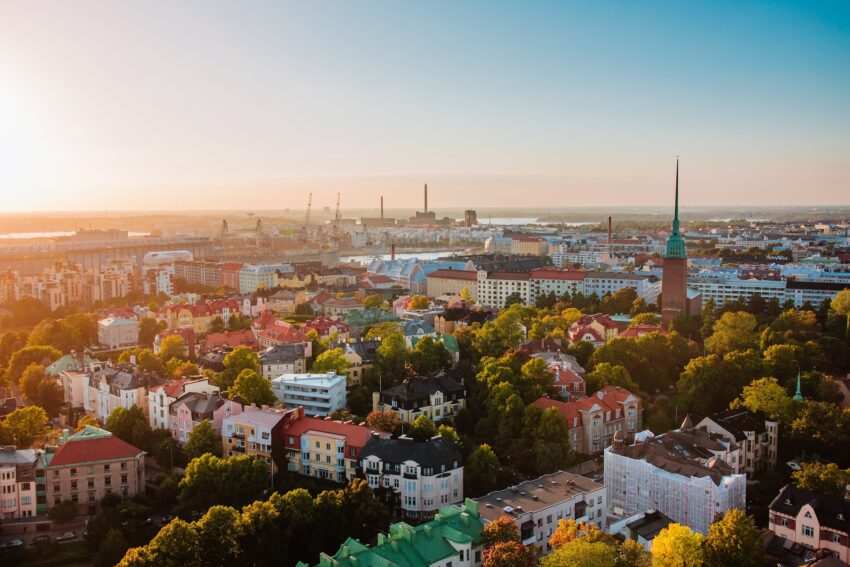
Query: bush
{"x": 63, "y": 512}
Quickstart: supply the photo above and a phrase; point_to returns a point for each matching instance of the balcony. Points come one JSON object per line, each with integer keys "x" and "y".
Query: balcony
{"x": 530, "y": 541}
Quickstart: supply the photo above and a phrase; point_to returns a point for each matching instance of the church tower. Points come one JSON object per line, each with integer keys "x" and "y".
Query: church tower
{"x": 674, "y": 289}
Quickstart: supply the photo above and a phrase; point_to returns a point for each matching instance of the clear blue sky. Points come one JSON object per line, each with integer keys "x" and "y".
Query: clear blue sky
{"x": 157, "y": 104}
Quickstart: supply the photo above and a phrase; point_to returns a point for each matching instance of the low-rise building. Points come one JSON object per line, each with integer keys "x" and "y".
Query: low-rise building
{"x": 641, "y": 528}
{"x": 161, "y": 397}
{"x": 191, "y": 408}
{"x": 117, "y": 386}
{"x": 283, "y": 359}
{"x": 436, "y": 397}
{"x": 258, "y": 432}
{"x": 426, "y": 475}
{"x": 757, "y": 436}
{"x": 360, "y": 354}
{"x": 118, "y": 333}
{"x": 452, "y": 538}
{"x": 318, "y": 394}
{"x": 537, "y": 505}
{"x": 654, "y": 475}
{"x": 17, "y": 483}
{"x": 87, "y": 466}
{"x": 814, "y": 521}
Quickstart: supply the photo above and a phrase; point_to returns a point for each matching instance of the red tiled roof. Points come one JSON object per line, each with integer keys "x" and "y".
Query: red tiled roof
{"x": 231, "y": 266}
{"x": 377, "y": 278}
{"x": 93, "y": 450}
{"x": 466, "y": 275}
{"x": 282, "y": 332}
{"x": 577, "y": 332}
{"x": 173, "y": 388}
{"x": 609, "y": 398}
{"x": 569, "y": 410}
{"x": 555, "y": 274}
{"x": 355, "y": 435}
{"x": 508, "y": 276}
{"x": 565, "y": 376}
{"x": 245, "y": 337}
{"x": 323, "y": 325}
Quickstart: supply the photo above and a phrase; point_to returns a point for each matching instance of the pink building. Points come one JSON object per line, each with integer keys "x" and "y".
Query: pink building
{"x": 17, "y": 483}
{"x": 191, "y": 408}
{"x": 812, "y": 520}
{"x": 90, "y": 464}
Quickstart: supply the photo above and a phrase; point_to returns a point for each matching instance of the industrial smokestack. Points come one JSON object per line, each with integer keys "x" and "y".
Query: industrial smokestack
{"x": 392, "y": 251}
{"x": 609, "y": 231}
{"x": 426, "y": 197}
{"x": 382, "y": 207}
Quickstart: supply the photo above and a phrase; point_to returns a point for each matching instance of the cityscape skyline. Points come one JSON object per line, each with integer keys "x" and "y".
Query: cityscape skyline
{"x": 503, "y": 106}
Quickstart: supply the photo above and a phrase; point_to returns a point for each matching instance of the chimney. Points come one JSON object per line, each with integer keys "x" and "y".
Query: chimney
{"x": 426, "y": 197}
{"x": 382, "y": 207}
{"x": 609, "y": 231}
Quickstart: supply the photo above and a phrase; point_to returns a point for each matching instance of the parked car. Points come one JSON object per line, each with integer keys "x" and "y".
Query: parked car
{"x": 67, "y": 536}
{"x": 13, "y": 543}
{"x": 40, "y": 539}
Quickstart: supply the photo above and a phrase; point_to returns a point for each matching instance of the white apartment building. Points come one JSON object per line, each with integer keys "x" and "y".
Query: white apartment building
{"x": 160, "y": 398}
{"x": 318, "y": 394}
{"x": 17, "y": 483}
{"x": 722, "y": 290}
{"x": 495, "y": 287}
{"x": 253, "y": 277}
{"x": 649, "y": 475}
{"x": 427, "y": 475}
{"x": 537, "y": 505}
{"x": 600, "y": 283}
{"x": 546, "y": 280}
{"x": 118, "y": 332}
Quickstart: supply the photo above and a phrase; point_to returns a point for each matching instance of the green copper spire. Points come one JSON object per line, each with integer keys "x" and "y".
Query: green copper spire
{"x": 799, "y": 395}
{"x": 676, "y": 244}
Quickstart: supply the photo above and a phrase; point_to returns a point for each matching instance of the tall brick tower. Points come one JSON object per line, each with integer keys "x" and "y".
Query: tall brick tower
{"x": 674, "y": 288}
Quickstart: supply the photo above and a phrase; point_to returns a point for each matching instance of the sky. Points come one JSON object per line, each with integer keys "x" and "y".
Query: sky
{"x": 162, "y": 105}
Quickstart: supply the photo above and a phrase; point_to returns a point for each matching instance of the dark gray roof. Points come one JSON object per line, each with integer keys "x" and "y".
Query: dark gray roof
{"x": 10, "y": 456}
{"x": 434, "y": 452}
{"x": 200, "y": 404}
{"x": 413, "y": 389}
{"x": 651, "y": 523}
{"x": 364, "y": 349}
{"x": 738, "y": 421}
{"x": 282, "y": 354}
{"x": 832, "y": 512}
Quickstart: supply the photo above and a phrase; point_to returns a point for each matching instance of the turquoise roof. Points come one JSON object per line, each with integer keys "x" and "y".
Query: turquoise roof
{"x": 413, "y": 546}
{"x": 676, "y": 244}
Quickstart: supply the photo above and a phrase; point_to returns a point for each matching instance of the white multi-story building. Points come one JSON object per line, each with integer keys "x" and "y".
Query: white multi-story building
{"x": 427, "y": 475}
{"x": 537, "y": 505}
{"x": 118, "y": 332}
{"x": 253, "y": 277}
{"x": 494, "y": 288}
{"x": 17, "y": 483}
{"x": 160, "y": 398}
{"x": 653, "y": 474}
{"x": 548, "y": 280}
{"x": 600, "y": 283}
{"x": 721, "y": 290}
{"x": 318, "y": 394}
{"x": 755, "y": 435}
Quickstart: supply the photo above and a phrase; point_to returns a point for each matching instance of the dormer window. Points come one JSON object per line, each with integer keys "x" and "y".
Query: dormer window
{"x": 787, "y": 501}
{"x": 808, "y": 514}
{"x": 840, "y": 516}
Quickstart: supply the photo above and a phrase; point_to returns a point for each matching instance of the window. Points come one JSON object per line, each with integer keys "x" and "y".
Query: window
{"x": 106, "y": 467}
{"x": 836, "y": 538}
{"x": 73, "y": 472}
{"x": 808, "y": 531}
{"x": 123, "y": 479}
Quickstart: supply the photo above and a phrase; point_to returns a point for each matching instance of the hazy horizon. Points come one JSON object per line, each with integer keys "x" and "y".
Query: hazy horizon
{"x": 158, "y": 106}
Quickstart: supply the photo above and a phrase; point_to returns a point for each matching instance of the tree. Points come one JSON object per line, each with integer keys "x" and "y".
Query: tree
{"x": 217, "y": 325}
{"x": 149, "y": 328}
{"x": 422, "y": 428}
{"x": 253, "y": 388}
{"x": 429, "y": 356}
{"x": 514, "y": 298}
{"x": 501, "y": 530}
{"x": 374, "y": 301}
{"x": 391, "y": 358}
{"x": 31, "y": 377}
{"x": 52, "y": 332}
{"x": 841, "y": 305}
{"x": 63, "y": 512}
{"x": 176, "y": 545}
{"x": 645, "y": 319}
{"x": 734, "y": 542}
{"x": 172, "y": 347}
{"x": 823, "y": 478}
{"x": 218, "y": 531}
{"x": 418, "y": 302}
{"x": 22, "y": 358}
{"x": 50, "y": 397}
{"x": 466, "y": 295}
{"x": 382, "y": 330}
{"x": 384, "y": 421}
{"x": 331, "y": 360}
{"x": 677, "y": 546}
{"x": 482, "y": 470}
{"x": 111, "y": 550}
{"x": 82, "y": 328}
{"x": 582, "y": 553}
{"x": 203, "y": 439}
{"x": 239, "y": 359}
{"x": 509, "y": 554}
{"x": 130, "y": 425}
{"x": 766, "y": 395}
{"x": 209, "y": 480}
{"x": 606, "y": 374}
{"x": 25, "y": 424}
{"x": 733, "y": 331}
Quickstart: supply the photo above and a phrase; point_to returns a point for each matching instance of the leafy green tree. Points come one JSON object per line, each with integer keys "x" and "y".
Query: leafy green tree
{"x": 62, "y": 512}
{"x": 582, "y": 553}
{"x": 482, "y": 470}
{"x": 31, "y": 377}
{"x": 217, "y": 325}
{"x": 391, "y": 358}
{"x": 26, "y": 424}
{"x": 25, "y": 312}
{"x": 418, "y": 302}
{"x": 466, "y": 295}
{"x": 429, "y": 356}
{"x": 841, "y": 305}
{"x": 606, "y": 374}
{"x": 149, "y": 328}
{"x": 218, "y": 536}
{"x": 733, "y": 331}
{"x": 678, "y": 546}
{"x": 645, "y": 319}
{"x": 172, "y": 347}
{"x": 22, "y": 358}
{"x": 111, "y": 550}
{"x": 239, "y": 359}
{"x": 82, "y": 328}
{"x": 734, "y": 541}
{"x": 382, "y": 330}
{"x": 766, "y": 395}
{"x": 209, "y": 481}
{"x": 253, "y": 388}
{"x": 374, "y": 301}
{"x": 52, "y": 332}
{"x": 514, "y": 298}
{"x": 384, "y": 421}
{"x": 823, "y": 478}
{"x": 422, "y": 428}
{"x": 130, "y": 425}
{"x": 331, "y": 360}
{"x": 203, "y": 439}
{"x": 176, "y": 545}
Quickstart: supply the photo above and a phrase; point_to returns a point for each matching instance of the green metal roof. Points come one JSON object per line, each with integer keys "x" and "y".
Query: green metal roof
{"x": 676, "y": 244}
{"x": 413, "y": 546}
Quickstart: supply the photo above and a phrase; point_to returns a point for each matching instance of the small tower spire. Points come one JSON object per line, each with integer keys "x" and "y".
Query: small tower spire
{"x": 799, "y": 394}
{"x": 676, "y": 210}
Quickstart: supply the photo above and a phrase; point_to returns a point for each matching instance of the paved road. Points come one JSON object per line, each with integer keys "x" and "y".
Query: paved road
{"x": 77, "y": 526}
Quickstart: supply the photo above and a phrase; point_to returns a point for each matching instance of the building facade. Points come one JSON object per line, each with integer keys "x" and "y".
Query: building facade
{"x": 17, "y": 483}
{"x": 814, "y": 521}
{"x": 436, "y": 397}
{"x": 318, "y": 394}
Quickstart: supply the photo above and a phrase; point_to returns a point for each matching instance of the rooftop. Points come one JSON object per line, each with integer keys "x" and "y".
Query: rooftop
{"x": 537, "y": 494}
